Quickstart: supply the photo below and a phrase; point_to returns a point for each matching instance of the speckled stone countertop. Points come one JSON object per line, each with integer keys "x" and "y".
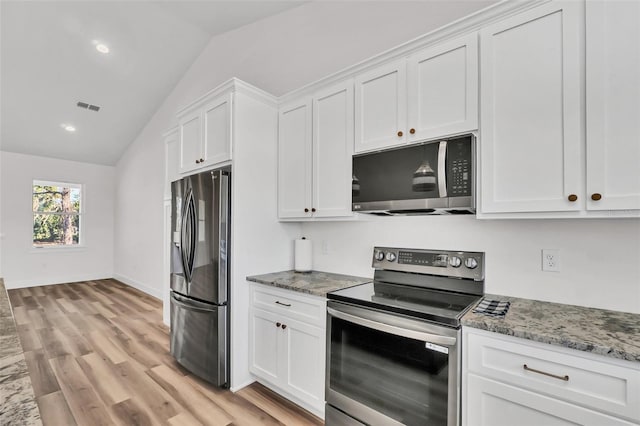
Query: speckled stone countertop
{"x": 609, "y": 333}
{"x": 314, "y": 282}
{"x": 17, "y": 401}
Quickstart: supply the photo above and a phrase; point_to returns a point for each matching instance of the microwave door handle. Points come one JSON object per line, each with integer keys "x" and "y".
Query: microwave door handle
{"x": 391, "y": 329}
{"x": 442, "y": 169}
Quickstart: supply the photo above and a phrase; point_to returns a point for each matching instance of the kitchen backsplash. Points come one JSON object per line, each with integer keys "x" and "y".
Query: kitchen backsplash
{"x": 599, "y": 258}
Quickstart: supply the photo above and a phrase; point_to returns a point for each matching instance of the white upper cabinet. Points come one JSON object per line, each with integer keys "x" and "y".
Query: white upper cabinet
{"x": 431, "y": 94}
{"x": 190, "y": 141}
{"x": 531, "y": 139}
{"x": 443, "y": 89}
{"x": 381, "y": 107}
{"x": 332, "y": 150}
{"x": 217, "y": 131}
{"x": 294, "y": 160}
{"x": 315, "y": 144}
{"x": 613, "y": 104}
{"x": 205, "y": 134}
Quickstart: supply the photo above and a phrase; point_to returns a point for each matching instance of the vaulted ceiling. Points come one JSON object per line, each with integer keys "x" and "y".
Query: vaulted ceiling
{"x": 49, "y": 62}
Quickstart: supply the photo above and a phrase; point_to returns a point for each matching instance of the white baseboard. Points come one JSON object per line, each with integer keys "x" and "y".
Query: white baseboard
{"x": 235, "y": 389}
{"x": 157, "y": 293}
{"x": 9, "y": 283}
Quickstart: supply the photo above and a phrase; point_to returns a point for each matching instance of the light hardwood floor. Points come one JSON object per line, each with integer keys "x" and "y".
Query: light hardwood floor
{"x": 98, "y": 354}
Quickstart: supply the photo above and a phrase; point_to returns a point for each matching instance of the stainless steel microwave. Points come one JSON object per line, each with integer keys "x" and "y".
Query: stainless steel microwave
{"x": 435, "y": 177}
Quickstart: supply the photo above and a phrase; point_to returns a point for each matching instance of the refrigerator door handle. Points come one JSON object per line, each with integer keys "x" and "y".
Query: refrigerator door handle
{"x": 192, "y": 305}
{"x": 188, "y": 236}
{"x": 223, "y": 232}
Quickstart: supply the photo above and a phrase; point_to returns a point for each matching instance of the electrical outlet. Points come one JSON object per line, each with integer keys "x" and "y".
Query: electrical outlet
{"x": 551, "y": 260}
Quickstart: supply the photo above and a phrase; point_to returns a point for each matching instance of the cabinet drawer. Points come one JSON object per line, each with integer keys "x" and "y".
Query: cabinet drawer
{"x": 601, "y": 384}
{"x": 309, "y": 309}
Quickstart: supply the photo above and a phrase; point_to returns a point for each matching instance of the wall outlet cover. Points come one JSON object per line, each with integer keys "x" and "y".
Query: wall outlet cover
{"x": 551, "y": 260}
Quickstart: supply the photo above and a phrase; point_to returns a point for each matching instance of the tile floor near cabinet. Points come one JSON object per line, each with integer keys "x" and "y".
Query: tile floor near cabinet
{"x": 98, "y": 353}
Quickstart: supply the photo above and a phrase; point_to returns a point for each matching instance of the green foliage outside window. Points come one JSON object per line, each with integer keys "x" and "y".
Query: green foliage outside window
{"x": 56, "y": 214}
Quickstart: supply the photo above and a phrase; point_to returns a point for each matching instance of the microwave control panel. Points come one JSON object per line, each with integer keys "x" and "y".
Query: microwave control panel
{"x": 459, "y": 167}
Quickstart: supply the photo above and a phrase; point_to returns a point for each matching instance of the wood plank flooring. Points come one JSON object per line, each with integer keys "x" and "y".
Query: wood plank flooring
{"x": 98, "y": 354}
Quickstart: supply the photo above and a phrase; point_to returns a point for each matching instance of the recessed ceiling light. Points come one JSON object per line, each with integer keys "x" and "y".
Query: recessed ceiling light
{"x": 102, "y": 48}
{"x": 68, "y": 127}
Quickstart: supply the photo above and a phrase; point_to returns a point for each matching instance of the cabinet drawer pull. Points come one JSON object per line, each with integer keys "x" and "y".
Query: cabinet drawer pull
{"x": 283, "y": 304}
{"x": 400, "y": 134}
{"x": 306, "y": 210}
{"x": 555, "y": 376}
{"x": 412, "y": 131}
{"x": 572, "y": 197}
{"x": 284, "y": 326}
{"x": 596, "y": 197}
{"x": 313, "y": 209}
{"x": 278, "y": 324}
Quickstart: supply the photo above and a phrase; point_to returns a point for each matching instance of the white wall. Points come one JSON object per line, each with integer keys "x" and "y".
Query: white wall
{"x": 600, "y": 258}
{"x": 24, "y": 266}
{"x": 277, "y": 54}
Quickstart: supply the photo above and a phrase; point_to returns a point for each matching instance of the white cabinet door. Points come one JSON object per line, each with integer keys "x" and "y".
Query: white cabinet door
{"x": 305, "y": 355}
{"x": 217, "y": 131}
{"x": 332, "y": 150}
{"x": 265, "y": 358}
{"x": 294, "y": 160}
{"x": 613, "y": 104}
{"x": 443, "y": 89}
{"x": 381, "y": 107}
{"x": 492, "y": 403}
{"x": 531, "y": 111}
{"x": 190, "y": 141}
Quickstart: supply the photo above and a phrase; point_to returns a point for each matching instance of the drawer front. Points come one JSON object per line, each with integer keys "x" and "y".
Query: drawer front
{"x": 494, "y": 403}
{"x": 577, "y": 378}
{"x": 309, "y": 309}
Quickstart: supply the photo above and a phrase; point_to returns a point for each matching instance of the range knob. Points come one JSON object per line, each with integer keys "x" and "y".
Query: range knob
{"x": 391, "y": 256}
{"x": 378, "y": 255}
{"x": 471, "y": 263}
{"x": 455, "y": 261}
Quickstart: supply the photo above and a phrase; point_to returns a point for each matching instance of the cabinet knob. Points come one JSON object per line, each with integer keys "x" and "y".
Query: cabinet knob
{"x": 596, "y": 197}
{"x": 412, "y": 131}
{"x": 284, "y": 326}
{"x": 306, "y": 210}
{"x": 313, "y": 209}
{"x": 202, "y": 160}
{"x": 278, "y": 324}
{"x": 572, "y": 197}
{"x": 197, "y": 161}
{"x": 400, "y": 134}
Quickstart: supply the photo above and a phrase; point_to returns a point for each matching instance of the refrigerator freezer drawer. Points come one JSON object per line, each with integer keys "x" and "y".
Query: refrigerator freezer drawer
{"x": 199, "y": 338}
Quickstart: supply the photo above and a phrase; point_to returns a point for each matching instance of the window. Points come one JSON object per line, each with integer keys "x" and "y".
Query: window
{"x": 56, "y": 214}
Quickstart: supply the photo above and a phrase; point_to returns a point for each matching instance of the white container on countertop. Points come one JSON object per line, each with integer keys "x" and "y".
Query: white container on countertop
{"x": 303, "y": 255}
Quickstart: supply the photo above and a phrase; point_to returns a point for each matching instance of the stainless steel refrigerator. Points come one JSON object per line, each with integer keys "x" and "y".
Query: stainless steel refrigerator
{"x": 200, "y": 222}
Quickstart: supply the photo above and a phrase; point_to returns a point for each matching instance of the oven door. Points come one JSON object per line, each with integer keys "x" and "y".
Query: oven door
{"x": 389, "y": 369}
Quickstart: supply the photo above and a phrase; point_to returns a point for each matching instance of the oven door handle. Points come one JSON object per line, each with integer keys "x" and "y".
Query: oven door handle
{"x": 392, "y": 329}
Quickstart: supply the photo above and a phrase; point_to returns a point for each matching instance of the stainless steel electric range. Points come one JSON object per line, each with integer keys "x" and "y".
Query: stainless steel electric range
{"x": 393, "y": 345}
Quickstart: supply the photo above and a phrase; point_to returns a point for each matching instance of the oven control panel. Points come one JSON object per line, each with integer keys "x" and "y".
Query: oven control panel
{"x": 458, "y": 264}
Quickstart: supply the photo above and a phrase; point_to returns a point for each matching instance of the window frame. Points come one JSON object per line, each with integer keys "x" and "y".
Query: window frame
{"x": 80, "y": 214}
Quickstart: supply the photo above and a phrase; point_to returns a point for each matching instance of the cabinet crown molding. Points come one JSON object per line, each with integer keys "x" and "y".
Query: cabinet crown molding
{"x": 233, "y": 85}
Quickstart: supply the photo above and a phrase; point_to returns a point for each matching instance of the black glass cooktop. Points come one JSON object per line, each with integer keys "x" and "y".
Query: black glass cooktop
{"x": 437, "y": 306}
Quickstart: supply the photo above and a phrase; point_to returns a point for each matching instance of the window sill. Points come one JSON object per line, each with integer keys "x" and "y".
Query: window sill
{"x": 58, "y": 249}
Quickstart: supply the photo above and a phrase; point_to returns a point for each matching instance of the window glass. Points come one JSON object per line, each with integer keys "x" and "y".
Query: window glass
{"x": 56, "y": 213}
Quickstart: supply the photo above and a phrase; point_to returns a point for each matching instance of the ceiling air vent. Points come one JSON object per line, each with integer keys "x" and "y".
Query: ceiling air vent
{"x": 85, "y": 105}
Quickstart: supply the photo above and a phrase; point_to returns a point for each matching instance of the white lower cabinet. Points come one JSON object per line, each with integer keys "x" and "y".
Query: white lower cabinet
{"x": 287, "y": 344}
{"x": 509, "y": 381}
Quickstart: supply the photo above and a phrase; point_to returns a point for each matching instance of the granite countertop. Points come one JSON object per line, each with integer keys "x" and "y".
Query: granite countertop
{"x": 17, "y": 400}
{"x": 609, "y": 333}
{"x": 314, "y": 282}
